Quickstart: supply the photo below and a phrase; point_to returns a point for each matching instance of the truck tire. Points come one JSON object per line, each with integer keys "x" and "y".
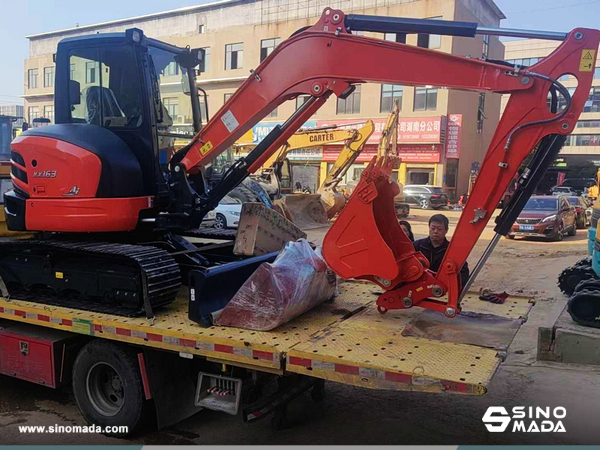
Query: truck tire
{"x": 108, "y": 386}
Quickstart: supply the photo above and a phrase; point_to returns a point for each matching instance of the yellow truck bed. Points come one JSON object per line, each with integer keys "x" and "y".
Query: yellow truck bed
{"x": 345, "y": 341}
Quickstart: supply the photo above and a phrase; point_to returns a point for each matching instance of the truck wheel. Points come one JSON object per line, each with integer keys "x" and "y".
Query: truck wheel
{"x": 108, "y": 386}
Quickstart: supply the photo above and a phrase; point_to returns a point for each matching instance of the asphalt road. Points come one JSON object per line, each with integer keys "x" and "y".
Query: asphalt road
{"x": 352, "y": 415}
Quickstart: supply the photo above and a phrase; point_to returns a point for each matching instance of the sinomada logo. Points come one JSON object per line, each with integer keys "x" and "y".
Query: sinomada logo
{"x": 526, "y": 419}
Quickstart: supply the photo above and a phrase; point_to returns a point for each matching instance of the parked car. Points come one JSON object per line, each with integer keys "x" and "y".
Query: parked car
{"x": 546, "y": 216}
{"x": 209, "y": 219}
{"x": 425, "y": 196}
{"x": 581, "y": 205}
{"x": 228, "y": 213}
{"x": 562, "y": 190}
{"x": 578, "y": 185}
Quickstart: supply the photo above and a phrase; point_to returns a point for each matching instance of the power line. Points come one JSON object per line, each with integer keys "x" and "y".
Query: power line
{"x": 553, "y": 8}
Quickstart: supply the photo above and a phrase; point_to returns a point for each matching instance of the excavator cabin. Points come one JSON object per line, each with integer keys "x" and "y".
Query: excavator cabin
{"x": 114, "y": 125}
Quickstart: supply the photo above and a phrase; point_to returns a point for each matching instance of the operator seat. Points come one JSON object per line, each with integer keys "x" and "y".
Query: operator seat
{"x": 93, "y": 96}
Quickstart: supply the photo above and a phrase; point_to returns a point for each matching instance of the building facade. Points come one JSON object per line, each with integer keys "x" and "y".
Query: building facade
{"x": 443, "y": 134}
{"x": 580, "y": 156}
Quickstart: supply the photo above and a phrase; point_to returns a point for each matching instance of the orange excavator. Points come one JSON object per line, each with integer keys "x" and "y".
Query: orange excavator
{"x": 113, "y": 225}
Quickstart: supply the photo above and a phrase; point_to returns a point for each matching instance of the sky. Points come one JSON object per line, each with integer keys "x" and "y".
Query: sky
{"x": 25, "y": 17}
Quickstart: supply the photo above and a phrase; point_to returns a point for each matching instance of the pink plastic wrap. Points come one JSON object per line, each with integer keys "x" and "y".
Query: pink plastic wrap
{"x": 297, "y": 281}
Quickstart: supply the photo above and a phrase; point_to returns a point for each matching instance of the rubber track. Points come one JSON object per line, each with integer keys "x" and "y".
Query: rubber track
{"x": 157, "y": 266}
{"x": 211, "y": 233}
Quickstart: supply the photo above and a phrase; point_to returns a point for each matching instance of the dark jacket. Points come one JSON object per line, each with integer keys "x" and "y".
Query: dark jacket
{"x": 435, "y": 255}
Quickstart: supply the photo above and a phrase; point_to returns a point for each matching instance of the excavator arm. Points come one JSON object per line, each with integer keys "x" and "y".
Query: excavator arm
{"x": 320, "y": 61}
{"x": 352, "y": 149}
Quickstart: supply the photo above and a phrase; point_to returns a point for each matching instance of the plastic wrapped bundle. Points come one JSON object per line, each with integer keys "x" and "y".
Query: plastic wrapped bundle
{"x": 297, "y": 281}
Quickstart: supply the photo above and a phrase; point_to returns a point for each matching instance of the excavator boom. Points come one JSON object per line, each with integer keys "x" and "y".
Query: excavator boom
{"x": 316, "y": 62}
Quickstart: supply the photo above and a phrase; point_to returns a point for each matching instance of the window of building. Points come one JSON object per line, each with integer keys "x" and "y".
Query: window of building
{"x": 201, "y": 29}
{"x": 564, "y": 77}
{"x": 486, "y": 46}
{"x": 48, "y": 76}
{"x": 300, "y": 100}
{"x": 524, "y": 61}
{"x": 234, "y": 56}
{"x": 72, "y": 77}
{"x": 273, "y": 113}
{"x": 32, "y": 78}
{"x": 49, "y": 112}
{"x": 227, "y": 97}
{"x": 597, "y": 73}
{"x": 172, "y": 106}
{"x": 593, "y": 102}
{"x": 204, "y": 66}
{"x": 390, "y": 93}
{"x": 171, "y": 69}
{"x": 91, "y": 68}
{"x": 267, "y": 46}
{"x": 395, "y": 37}
{"x": 583, "y": 140}
{"x": 357, "y": 172}
{"x": 425, "y": 99}
{"x": 425, "y": 40}
{"x": 351, "y": 105}
{"x": 203, "y": 115}
{"x": 481, "y": 112}
{"x": 33, "y": 112}
{"x": 588, "y": 124}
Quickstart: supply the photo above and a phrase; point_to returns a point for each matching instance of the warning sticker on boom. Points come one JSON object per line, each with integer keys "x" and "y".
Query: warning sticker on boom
{"x": 588, "y": 60}
{"x": 230, "y": 121}
{"x": 206, "y": 148}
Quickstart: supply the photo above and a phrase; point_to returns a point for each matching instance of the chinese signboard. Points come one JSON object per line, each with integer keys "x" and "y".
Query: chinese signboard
{"x": 305, "y": 154}
{"x": 331, "y": 152}
{"x": 425, "y": 130}
{"x": 453, "y": 136}
{"x": 420, "y": 153}
{"x": 422, "y": 130}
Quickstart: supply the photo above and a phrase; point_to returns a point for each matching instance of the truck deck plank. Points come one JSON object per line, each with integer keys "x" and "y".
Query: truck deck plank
{"x": 345, "y": 340}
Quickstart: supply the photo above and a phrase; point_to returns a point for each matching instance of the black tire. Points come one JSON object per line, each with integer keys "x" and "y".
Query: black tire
{"x": 220, "y": 222}
{"x": 279, "y": 420}
{"x": 508, "y": 236}
{"x": 424, "y": 203}
{"x": 108, "y": 386}
{"x": 592, "y": 284}
{"x": 559, "y": 234}
{"x": 243, "y": 194}
{"x": 573, "y": 230}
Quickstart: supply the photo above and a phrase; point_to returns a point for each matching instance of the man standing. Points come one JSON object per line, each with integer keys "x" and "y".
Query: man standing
{"x": 434, "y": 247}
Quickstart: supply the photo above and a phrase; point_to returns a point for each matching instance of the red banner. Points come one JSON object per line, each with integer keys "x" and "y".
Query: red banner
{"x": 331, "y": 152}
{"x": 408, "y": 153}
{"x": 420, "y": 153}
{"x": 453, "y": 136}
{"x": 422, "y": 130}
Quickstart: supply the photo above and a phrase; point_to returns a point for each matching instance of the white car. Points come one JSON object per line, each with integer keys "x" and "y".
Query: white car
{"x": 209, "y": 219}
{"x": 228, "y": 213}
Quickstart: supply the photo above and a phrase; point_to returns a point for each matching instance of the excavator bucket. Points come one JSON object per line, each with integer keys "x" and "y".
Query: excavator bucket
{"x": 306, "y": 211}
{"x": 333, "y": 201}
{"x": 366, "y": 240}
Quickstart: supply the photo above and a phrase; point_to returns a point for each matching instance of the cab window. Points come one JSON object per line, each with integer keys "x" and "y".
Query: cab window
{"x": 104, "y": 87}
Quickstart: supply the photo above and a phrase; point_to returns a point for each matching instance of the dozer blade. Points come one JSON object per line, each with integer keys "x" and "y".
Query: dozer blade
{"x": 366, "y": 240}
{"x": 306, "y": 211}
{"x": 333, "y": 201}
